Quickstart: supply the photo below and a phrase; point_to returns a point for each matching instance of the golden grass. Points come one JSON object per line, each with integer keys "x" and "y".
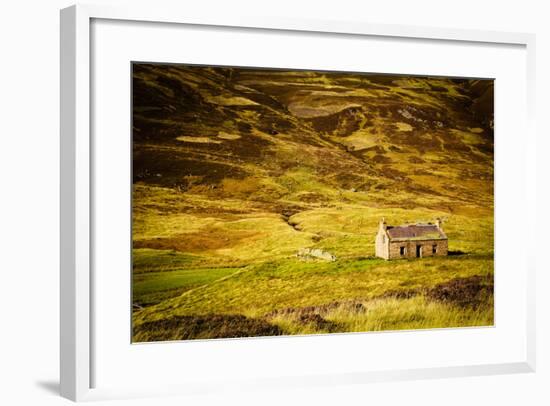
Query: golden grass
{"x": 199, "y": 140}
{"x": 389, "y": 314}
{"x": 226, "y": 136}
{"x": 230, "y": 101}
{"x": 405, "y": 127}
{"x": 361, "y": 140}
{"x": 259, "y": 289}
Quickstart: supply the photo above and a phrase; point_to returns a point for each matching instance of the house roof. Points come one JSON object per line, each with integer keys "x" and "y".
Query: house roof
{"x": 416, "y": 232}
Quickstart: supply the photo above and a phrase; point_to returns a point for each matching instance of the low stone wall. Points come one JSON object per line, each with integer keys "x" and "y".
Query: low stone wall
{"x": 315, "y": 253}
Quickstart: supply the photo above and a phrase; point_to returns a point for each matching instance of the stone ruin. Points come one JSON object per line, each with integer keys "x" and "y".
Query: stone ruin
{"x": 315, "y": 253}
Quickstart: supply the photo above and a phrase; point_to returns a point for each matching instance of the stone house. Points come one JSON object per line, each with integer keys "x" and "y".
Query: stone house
{"x": 410, "y": 241}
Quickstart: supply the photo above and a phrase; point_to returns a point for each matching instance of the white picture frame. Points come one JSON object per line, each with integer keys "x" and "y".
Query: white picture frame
{"x": 77, "y": 357}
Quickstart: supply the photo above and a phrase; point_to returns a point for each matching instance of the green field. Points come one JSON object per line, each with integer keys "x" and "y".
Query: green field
{"x": 236, "y": 170}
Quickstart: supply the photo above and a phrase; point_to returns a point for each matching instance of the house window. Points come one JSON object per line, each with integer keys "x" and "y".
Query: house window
{"x": 434, "y": 249}
{"x": 401, "y": 251}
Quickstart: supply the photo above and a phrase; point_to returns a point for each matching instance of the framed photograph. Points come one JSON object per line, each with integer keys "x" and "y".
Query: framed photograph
{"x": 285, "y": 202}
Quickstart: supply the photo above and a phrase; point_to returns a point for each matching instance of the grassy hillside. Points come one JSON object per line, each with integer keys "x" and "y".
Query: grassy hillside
{"x": 236, "y": 170}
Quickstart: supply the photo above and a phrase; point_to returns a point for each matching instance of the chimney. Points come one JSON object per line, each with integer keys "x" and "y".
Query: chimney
{"x": 383, "y": 225}
{"x": 438, "y": 223}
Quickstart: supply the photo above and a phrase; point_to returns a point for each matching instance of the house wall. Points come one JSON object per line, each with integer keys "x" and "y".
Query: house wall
{"x": 410, "y": 248}
{"x": 381, "y": 244}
